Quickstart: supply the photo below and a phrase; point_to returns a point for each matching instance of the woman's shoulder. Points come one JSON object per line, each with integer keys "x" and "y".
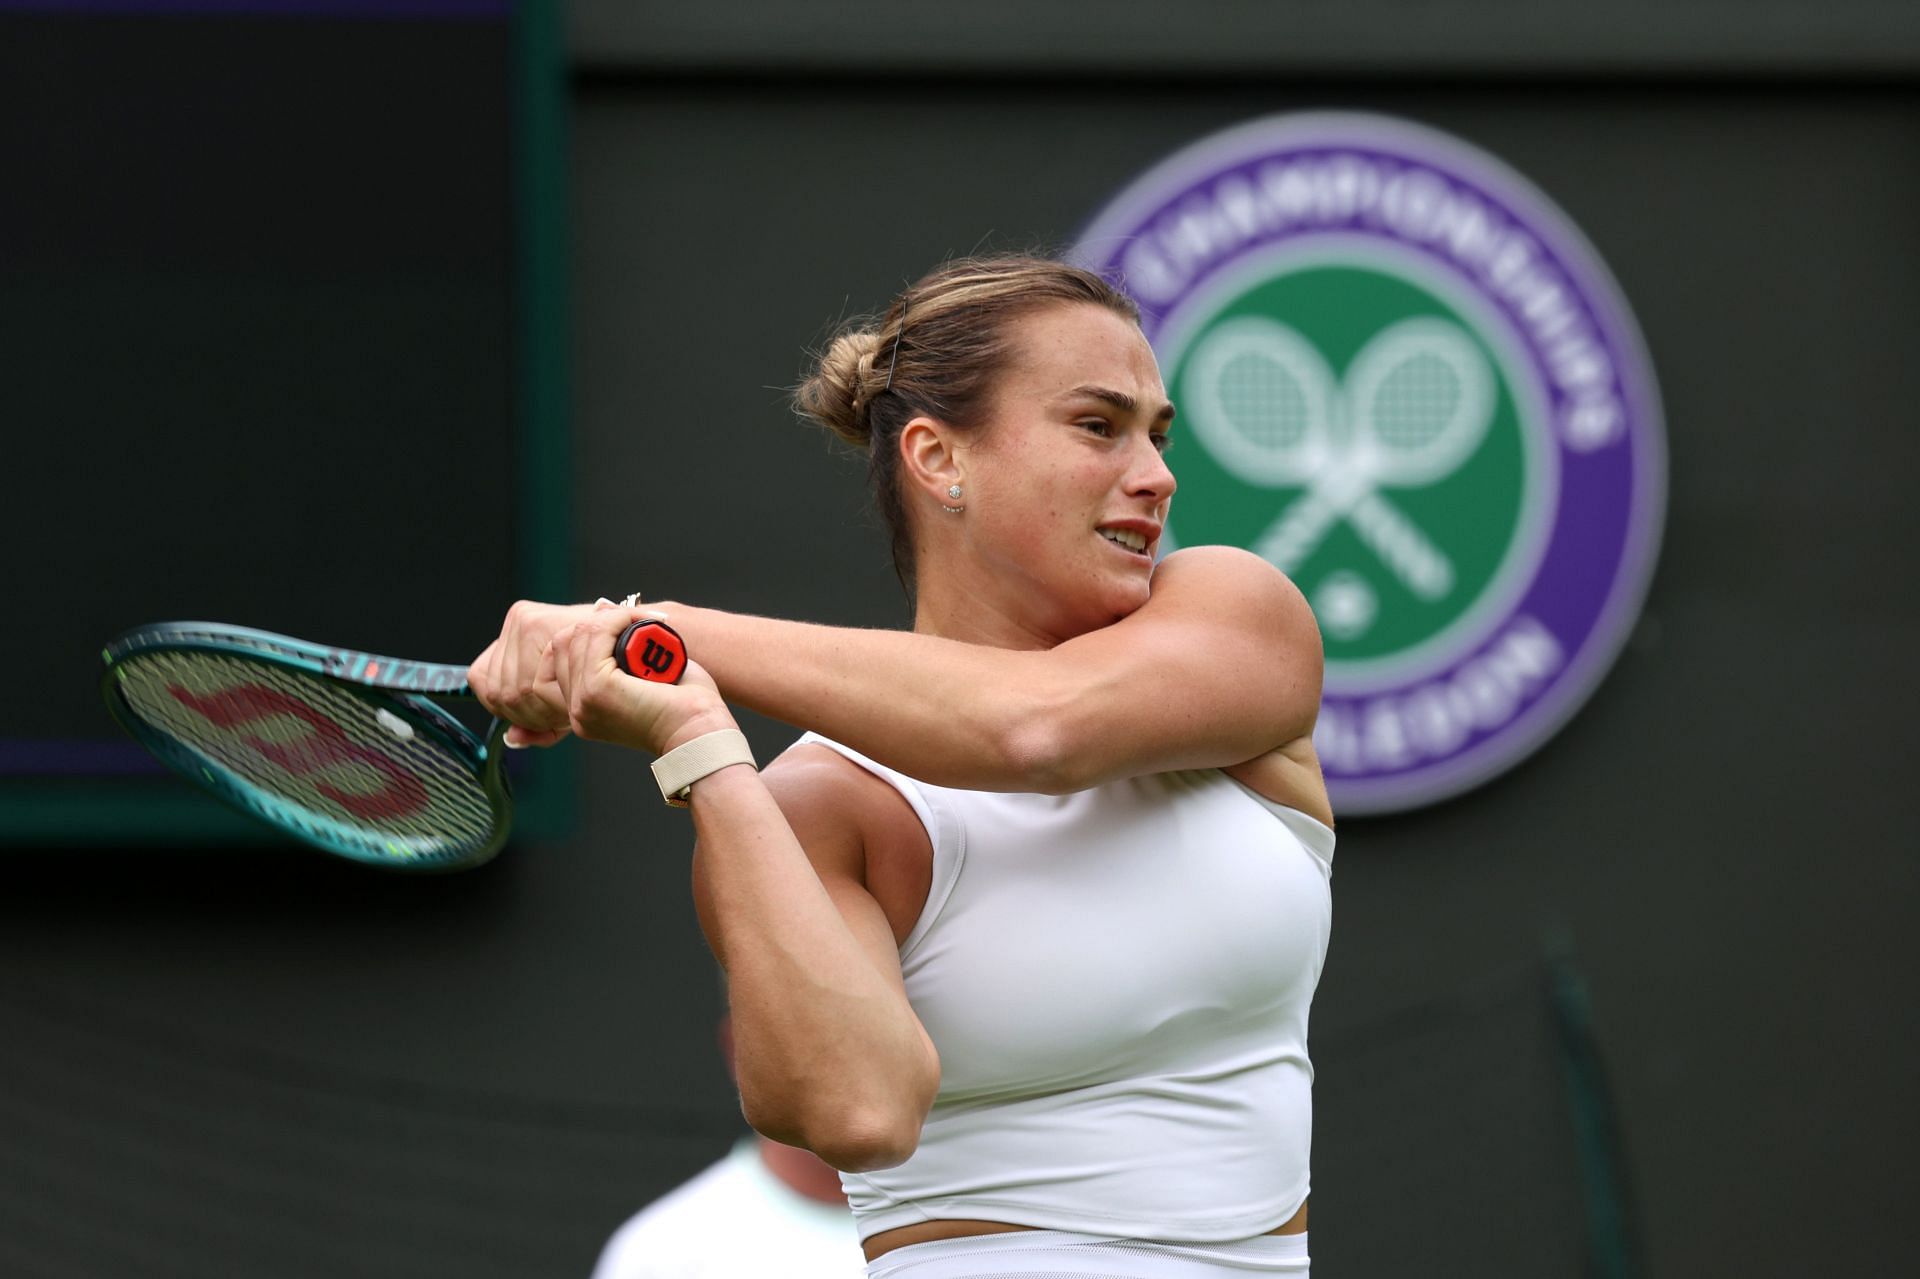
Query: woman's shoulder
{"x": 813, "y": 779}
{"x": 1224, "y": 567}
{"x": 823, "y": 787}
{"x": 848, "y": 817}
{"x": 1226, "y": 580}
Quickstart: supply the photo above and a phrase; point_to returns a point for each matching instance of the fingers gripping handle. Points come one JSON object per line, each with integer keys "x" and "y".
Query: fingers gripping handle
{"x": 651, "y": 650}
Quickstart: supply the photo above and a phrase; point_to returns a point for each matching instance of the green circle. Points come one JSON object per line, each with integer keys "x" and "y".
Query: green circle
{"x": 1472, "y": 516}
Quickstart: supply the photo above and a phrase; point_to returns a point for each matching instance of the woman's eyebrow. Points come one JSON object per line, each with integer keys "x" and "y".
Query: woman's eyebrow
{"x": 1118, "y": 399}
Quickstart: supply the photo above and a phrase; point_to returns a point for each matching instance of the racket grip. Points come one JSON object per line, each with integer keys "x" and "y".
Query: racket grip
{"x": 650, "y": 649}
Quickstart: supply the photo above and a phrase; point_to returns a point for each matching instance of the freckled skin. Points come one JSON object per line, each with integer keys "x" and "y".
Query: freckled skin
{"x": 1024, "y": 566}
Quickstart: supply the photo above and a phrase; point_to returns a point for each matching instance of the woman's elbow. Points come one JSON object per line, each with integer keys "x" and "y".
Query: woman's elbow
{"x": 1040, "y": 758}
{"x": 851, "y": 1133}
{"x": 851, "y": 1141}
{"x": 868, "y": 1143}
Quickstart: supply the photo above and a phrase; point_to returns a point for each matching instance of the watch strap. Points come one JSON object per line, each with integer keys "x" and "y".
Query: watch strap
{"x": 687, "y": 763}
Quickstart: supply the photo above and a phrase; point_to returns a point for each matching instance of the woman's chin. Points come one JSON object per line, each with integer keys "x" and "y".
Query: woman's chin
{"x": 1124, "y": 597}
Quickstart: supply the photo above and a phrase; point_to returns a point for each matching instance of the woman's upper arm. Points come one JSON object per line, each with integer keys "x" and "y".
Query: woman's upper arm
{"x": 1222, "y": 664}
{"x": 834, "y": 811}
{"x": 828, "y": 1052}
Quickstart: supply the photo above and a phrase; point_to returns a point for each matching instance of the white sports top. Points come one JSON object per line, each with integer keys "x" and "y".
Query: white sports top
{"x": 1117, "y": 982}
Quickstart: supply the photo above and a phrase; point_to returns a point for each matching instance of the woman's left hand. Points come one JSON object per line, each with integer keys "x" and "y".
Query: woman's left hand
{"x": 606, "y": 704}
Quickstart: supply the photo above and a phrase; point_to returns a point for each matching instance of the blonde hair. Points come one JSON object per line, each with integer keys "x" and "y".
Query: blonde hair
{"x": 936, "y": 352}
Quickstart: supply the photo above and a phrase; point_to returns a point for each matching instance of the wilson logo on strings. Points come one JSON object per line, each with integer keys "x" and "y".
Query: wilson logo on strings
{"x": 325, "y": 747}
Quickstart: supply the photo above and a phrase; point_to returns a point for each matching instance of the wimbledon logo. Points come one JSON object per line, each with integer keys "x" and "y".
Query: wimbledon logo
{"x": 1406, "y": 380}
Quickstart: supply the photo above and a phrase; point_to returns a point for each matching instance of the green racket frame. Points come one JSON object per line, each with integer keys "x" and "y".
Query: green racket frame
{"x": 391, "y": 684}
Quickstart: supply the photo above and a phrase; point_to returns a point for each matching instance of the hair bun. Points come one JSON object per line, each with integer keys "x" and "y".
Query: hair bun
{"x": 837, "y": 394}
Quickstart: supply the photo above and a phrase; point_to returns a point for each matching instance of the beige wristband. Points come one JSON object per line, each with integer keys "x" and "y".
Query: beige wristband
{"x": 687, "y": 763}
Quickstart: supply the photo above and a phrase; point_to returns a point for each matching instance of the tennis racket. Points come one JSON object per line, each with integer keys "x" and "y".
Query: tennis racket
{"x": 339, "y": 748}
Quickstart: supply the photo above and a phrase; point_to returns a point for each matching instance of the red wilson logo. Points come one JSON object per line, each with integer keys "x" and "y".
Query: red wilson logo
{"x": 326, "y": 746}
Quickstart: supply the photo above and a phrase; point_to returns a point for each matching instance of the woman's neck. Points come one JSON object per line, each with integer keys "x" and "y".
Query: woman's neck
{"x": 953, "y": 608}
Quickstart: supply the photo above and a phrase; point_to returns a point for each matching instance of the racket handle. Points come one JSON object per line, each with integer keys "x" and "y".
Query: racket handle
{"x": 651, "y": 649}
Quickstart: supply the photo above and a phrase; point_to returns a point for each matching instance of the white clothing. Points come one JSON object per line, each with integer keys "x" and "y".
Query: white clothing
{"x": 736, "y": 1220}
{"x": 1117, "y": 982}
{"x": 1055, "y": 1254}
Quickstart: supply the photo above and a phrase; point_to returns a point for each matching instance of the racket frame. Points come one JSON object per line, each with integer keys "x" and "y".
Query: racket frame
{"x": 395, "y": 685}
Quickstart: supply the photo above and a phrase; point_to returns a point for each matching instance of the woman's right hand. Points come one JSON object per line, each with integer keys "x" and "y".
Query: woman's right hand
{"x": 506, "y": 676}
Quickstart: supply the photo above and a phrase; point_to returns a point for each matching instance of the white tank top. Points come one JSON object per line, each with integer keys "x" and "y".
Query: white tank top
{"x": 1117, "y": 982}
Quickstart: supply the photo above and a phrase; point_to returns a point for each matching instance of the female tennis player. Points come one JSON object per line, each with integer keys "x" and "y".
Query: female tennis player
{"x": 1022, "y": 934}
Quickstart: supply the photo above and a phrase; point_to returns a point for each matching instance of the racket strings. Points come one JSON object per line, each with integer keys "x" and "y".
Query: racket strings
{"x": 311, "y": 744}
{"x": 1416, "y": 403}
{"x": 1264, "y": 401}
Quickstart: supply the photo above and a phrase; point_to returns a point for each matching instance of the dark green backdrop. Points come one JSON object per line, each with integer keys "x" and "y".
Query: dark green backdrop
{"x": 223, "y": 1061}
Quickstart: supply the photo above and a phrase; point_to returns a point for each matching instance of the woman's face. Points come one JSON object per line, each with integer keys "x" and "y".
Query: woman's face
{"x": 1066, "y": 489}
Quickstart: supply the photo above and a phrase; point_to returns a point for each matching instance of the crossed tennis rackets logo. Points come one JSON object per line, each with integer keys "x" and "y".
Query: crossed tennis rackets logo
{"x": 1414, "y": 405}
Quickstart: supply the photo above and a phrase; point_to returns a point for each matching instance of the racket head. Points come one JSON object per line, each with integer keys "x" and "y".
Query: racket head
{"x": 1422, "y": 400}
{"x": 1263, "y": 400}
{"x": 329, "y": 745}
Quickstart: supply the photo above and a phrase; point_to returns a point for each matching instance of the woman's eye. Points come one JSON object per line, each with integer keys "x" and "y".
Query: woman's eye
{"x": 1098, "y": 425}
{"x": 1161, "y": 442}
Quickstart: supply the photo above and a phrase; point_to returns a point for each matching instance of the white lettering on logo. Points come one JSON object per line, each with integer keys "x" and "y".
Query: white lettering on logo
{"x": 1417, "y": 205}
{"x": 1435, "y": 718}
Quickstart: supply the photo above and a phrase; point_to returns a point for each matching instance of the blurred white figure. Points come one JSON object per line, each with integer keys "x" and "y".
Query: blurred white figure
{"x": 766, "y": 1209}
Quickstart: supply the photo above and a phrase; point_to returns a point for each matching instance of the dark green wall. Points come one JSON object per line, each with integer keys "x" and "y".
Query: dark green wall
{"x": 1719, "y": 832}
{"x": 239, "y": 1061}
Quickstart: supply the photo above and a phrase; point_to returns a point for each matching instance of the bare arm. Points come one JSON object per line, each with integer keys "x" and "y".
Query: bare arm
{"x": 828, "y": 1053}
{"x": 1222, "y": 664}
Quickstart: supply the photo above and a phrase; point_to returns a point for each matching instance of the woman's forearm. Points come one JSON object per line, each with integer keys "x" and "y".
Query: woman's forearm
{"x": 1222, "y": 664}
{"x": 828, "y": 1053}
{"x": 944, "y": 711}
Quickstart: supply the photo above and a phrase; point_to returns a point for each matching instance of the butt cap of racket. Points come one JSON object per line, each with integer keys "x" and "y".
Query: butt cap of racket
{"x": 650, "y": 649}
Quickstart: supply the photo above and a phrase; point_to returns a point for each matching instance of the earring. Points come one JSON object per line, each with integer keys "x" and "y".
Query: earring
{"x": 953, "y": 491}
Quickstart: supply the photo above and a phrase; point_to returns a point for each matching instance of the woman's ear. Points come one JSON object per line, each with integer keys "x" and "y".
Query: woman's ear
{"x": 929, "y": 460}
